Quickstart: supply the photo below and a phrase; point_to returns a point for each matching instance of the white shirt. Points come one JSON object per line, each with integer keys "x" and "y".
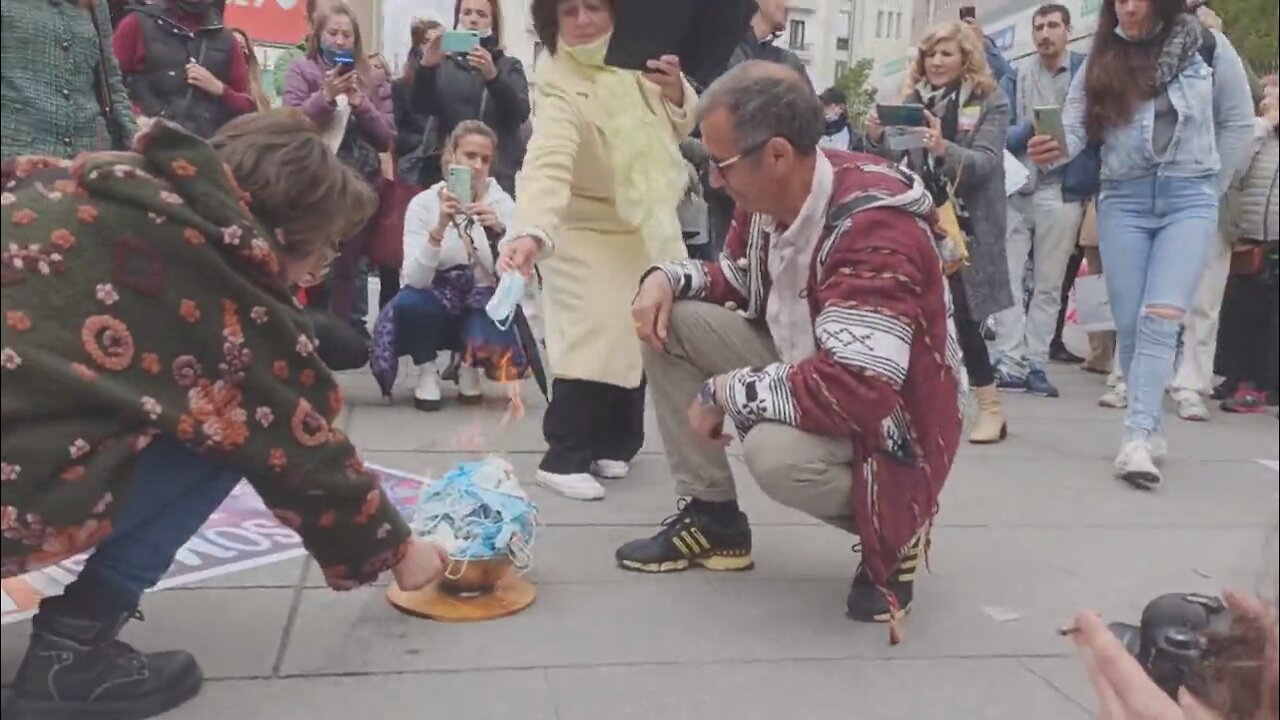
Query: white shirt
{"x": 422, "y": 259}
{"x": 790, "y": 257}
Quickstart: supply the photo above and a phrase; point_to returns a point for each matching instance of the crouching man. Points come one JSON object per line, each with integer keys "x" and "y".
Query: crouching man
{"x": 823, "y": 332}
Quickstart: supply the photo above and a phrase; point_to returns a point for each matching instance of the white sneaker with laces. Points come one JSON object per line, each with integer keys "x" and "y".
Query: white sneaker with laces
{"x": 1116, "y": 397}
{"x": 470, "y": 391}
{"x": 1190, "y": 405}
{"x": 610, "y": 469}
{"x": 1134, "y": 465}
{"x": 426, "y": 396}
{"x": 575, "y": 486}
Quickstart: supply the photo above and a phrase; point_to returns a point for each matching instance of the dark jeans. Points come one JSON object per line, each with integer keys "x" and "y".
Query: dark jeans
{"x": 1249, "y": 331}
{"x": 423, "y": 327}
{"x": 969, "y": 333}
{"x": 1068, "y": 282}
{"x": 388, "y": 284}
{"x": 174, "y": 491}
{"x": 588, "y": 421}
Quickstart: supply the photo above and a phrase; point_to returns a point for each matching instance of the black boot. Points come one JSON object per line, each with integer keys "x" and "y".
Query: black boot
{"x": 868, "y": 604}
{"x": 76, "y": 669}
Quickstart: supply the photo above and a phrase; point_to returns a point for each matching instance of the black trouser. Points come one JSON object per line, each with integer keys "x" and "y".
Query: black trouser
{"x": 969, "y": 332}
{"x": 1249, "y": 331}
{"x": 588, "y": 421}
{"x": 1068, "y": 282}
{"x": 388, "y": 284}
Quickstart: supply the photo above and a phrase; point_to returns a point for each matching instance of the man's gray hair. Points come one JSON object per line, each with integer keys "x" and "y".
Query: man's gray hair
{"x": 767, "y": 100}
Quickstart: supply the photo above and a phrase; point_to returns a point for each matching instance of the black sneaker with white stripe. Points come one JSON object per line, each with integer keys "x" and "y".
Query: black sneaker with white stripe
{"x": 700, "y": 533}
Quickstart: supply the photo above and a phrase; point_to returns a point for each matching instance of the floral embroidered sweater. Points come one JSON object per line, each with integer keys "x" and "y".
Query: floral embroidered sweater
{"x": 887, "y": 371}
{"x": 140, "y": 298}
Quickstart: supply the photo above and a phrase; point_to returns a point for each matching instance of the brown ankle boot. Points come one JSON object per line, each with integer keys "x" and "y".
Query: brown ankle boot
{"x": 990, "y": 427}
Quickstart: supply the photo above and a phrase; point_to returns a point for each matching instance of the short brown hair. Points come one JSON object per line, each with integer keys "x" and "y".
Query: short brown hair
{"x": 296, "y": 183}
{"x": 546, "y": 21}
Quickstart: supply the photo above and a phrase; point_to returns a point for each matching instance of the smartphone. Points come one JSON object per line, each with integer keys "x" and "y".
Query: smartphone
{"x": 344, "y": 61}
{"x": 459, "y": 183}
{"x": 901, "y": 115}
{"x": 968, "y": 12}
{"x": 1048, "y": 121}
{"x": 459, "y": 42}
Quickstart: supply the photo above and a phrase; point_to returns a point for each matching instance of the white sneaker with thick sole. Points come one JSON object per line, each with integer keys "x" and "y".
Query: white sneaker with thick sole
{"x": 575, "y": 486}
{"x": 1116, "y": 397}
{"x": 1135, "y": 466}
{"x": 1158, "y": 447}
{"x": 1190, "y": 405}
{"x": 610, "y": 469}
{"x": 426, "y": 396}
{"x": 470, "y": 391}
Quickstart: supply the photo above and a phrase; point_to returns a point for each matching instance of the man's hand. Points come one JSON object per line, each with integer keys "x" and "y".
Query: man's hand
{"x": 665, "y": 73}
{"x": 652, "y": 310}
{"x": 707, "y": 420}
{"x": 200, "y": 77}
{"x": 420, "y": 566}
{"x": 518, "y": 255}
{"x": 1043, "y": 150}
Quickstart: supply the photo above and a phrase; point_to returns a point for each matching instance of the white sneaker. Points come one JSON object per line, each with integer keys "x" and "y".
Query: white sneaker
{"x": 1158, "y": 447}
{"x": 1191, "y": 406}
{"x": 1116, "y": 397}
{"x": 1134, "y": 465}
{"x": 610, "y": 469}
{"x": 575, "y": 486}
{"x": 470, "y": 391}
{"x": 426, "y": 396}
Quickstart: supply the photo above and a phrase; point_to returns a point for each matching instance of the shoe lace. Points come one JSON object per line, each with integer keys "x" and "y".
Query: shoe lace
{"x": 683, "y": 510}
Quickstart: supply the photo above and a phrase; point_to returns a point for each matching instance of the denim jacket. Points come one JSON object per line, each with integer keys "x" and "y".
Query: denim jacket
{"x": 1213, "y": 132}
{"x": 1080, "y": 176}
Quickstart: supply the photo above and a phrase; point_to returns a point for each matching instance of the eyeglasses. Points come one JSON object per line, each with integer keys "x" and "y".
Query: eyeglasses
{"x": 720, "y": 165}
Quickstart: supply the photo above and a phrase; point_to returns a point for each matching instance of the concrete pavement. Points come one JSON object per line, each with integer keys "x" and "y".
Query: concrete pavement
{"x": 1029, "y": 531}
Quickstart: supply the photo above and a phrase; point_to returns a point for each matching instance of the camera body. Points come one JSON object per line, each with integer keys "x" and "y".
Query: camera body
{"x": 1170, "y": 641}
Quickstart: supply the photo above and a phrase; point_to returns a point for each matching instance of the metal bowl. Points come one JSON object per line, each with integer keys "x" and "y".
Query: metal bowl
{"x": 474, "y": 576}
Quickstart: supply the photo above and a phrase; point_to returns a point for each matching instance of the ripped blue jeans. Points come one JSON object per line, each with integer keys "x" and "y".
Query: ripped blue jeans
{"x": 1154, "y": 235}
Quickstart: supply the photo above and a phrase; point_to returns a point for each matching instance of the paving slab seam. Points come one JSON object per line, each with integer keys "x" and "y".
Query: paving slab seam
{"x": 1054, "y": 687}
{"x": 674, "y": 663}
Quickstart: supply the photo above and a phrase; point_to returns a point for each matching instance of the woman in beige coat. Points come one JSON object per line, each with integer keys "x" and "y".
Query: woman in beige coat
{"x": 596, "y": 206}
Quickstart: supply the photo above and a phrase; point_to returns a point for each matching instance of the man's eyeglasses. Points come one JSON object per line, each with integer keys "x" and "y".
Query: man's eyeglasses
{"x": 720, "y": 165}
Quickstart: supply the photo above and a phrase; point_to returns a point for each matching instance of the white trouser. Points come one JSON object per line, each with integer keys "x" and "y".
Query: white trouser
{"x": 1200, "y": 326}
{"x": 1047, "y": 228}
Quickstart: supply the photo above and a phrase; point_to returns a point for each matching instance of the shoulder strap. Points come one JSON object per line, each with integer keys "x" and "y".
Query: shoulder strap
{"x": 104, "y": 87}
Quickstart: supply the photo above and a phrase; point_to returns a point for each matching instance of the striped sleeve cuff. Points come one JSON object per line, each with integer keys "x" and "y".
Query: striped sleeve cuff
{"x": 751, "y": 396}
{"x": 688, "y": 278}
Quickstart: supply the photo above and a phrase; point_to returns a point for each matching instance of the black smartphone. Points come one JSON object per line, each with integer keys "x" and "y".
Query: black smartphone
{"x": 968, "y": 12}
{"x": 345, "y": 62}
{"x": 901, "y": 115}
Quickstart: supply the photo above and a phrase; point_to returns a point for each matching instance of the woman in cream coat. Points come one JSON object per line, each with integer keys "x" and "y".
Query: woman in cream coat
{"x": 596, "y": 206}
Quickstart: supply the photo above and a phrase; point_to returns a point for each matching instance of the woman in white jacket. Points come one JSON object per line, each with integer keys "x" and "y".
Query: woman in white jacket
{"x": 448, "y": 276}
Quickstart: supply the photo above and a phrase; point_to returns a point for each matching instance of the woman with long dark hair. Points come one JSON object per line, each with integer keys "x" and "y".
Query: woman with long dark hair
{"x": 1169, "y": 102}
{"x": 483, "y": 84}
{"x": 353, "y": 111}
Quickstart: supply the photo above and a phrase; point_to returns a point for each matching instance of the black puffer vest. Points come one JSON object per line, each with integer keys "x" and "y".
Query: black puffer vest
{"x": 162, "y": 89}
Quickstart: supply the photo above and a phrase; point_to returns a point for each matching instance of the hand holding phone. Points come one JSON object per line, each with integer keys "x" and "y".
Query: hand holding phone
{"x": 901, "y": 116}
{"x": 459, "y": 42}
{"x": 459, "y": 183}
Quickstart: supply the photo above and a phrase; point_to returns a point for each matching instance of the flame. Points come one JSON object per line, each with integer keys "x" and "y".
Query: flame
{"x": 510, "y": 381}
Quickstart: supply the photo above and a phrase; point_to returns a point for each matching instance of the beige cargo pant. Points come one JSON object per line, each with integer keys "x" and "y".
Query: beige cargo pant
{"x": 810, "y": 473}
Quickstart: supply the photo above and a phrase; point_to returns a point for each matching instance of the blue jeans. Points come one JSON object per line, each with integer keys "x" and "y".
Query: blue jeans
{"x": 174, "y": 492}
{"x": 423, "y": 325}
{"x": 1155, "y": 236}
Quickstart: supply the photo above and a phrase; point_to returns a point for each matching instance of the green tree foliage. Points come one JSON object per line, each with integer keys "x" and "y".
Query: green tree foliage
{"x": 857, "y": 87}
{"x": 1252, "y": 27}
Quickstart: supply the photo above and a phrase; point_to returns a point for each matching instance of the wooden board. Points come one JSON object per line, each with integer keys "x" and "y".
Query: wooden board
{"x": 511, "y": 595}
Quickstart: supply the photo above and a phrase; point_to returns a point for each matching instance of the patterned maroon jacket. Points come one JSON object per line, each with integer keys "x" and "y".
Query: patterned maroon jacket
{"x": 887, "y": 373}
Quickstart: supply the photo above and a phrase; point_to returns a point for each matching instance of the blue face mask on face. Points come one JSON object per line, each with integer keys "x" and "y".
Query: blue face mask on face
{"x": 506, "y": 298}
{"x": 331, "y": 54}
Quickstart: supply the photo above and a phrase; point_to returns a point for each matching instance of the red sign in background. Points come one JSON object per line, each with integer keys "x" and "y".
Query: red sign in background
{"x": 282, "y": 22}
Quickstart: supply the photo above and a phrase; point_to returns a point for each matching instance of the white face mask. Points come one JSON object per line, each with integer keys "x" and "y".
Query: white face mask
{"x": 485, "y": 33}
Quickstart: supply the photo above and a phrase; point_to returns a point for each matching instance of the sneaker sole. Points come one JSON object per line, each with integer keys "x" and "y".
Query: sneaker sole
{"x": 717, "y": 563}
{"x": 140, "y": 709}
{"x": 571, "y": 494}
{"x": 609, "y": 475}
{"x": 1047, "y": 394}
{"x": 1141, "y": 479}
{"x": 426, "y": 405}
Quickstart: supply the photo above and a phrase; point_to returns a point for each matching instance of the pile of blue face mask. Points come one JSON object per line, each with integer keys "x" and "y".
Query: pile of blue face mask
{"x": 468, "y": 512}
